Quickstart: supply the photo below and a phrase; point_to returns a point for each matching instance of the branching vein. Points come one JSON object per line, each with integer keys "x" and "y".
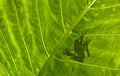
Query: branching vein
{"x": 4, "y": 69}
{"x": 106, "y": 7}
{"x": 64, "y": 38}
{"x": 23, "y": 38}
{"x": 9, "y": 52}
{"x": 41, "y": 29}
{"x": 90, "y": 65}
{"x": 61, "y": 12}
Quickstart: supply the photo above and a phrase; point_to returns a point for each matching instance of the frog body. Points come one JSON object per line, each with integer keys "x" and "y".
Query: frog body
{"x": 80, "y": 46}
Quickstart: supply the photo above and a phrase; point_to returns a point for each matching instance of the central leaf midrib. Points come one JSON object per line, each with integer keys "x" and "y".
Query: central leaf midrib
{"x": 64, "y": 38}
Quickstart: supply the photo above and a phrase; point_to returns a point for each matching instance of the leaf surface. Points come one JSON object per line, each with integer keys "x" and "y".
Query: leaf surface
{"x": 35, "y": 33}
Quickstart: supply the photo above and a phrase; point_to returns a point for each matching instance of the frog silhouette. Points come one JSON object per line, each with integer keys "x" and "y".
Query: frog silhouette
{"x": 80, "y": 46}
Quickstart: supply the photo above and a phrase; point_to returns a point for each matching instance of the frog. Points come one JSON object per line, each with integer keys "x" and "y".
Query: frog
{"x": 80, "y": 47}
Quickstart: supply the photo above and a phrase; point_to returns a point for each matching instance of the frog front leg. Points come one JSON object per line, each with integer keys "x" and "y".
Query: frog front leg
{"x": 86, "y": 46}
{"x": 88, "y": 53}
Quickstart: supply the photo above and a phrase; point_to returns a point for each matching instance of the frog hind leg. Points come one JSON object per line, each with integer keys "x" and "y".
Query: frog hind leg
{"x": 77, "y": 58}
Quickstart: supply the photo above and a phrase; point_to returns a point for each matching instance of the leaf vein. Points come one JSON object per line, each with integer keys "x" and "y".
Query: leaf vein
{"x": 62, "y": 19}
{"x": 9, "y": 52}
{"x": 63, "y": 39}
{"x": 41, "y": 33}
{"x": 4, "y": 69}
{"x": 117, "y": 5}
{"x": 90, "y": 65}
{"x": 23, "y": 38}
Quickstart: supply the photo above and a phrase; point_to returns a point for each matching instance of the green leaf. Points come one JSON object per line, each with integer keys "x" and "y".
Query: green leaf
{"x": 35, "y": 33}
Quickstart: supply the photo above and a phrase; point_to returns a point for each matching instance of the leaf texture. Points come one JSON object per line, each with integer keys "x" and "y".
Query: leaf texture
{"x": 35, "y": 33}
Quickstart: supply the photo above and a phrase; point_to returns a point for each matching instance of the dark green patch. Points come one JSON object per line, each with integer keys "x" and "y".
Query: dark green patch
{"x": 80, "y": 46}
